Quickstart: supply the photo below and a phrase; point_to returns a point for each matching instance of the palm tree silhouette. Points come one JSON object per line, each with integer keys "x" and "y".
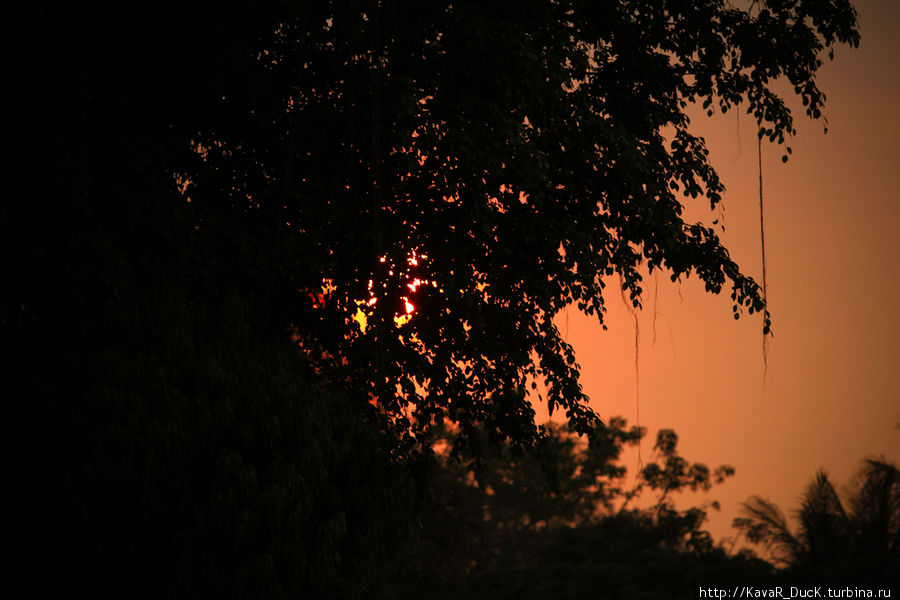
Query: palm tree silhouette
{"x": 859, "y": 537}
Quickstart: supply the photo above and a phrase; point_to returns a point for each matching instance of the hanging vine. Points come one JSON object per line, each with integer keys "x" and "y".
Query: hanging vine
{"x": 637, "y": 373}
{"x": 762, "y": 240}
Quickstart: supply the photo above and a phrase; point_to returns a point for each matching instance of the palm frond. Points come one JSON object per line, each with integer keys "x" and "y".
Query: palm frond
{"x": 825, "y": 529}
{"x": 875, "y": 507}
{"x": 765, "y": 524}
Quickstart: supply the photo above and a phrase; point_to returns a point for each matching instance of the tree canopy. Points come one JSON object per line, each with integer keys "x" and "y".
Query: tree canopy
{"x": 562, "y": 520}
{"x": 435, "y": 182}
{"x": 411, "y": 191}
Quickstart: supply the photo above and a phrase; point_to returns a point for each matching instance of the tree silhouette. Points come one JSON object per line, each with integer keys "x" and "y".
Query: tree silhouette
{"x": 471, "y": 170}
{"x": 449, "y": 174}
{"x": 562, "y": 521}
{"x": 855, "y": 538}
{"x": 474, "y": 167}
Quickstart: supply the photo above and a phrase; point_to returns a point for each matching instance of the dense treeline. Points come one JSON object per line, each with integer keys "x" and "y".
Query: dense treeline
{"x": 565, "y": 521}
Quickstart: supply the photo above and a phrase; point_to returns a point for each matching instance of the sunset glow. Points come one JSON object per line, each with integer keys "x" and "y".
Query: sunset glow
{"x": 364, "y": 308}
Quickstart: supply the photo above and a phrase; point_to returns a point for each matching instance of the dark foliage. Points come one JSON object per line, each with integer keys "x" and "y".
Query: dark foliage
{"x": 562, "y": 521}
{"x": 854, "y": 541}
{"x": 502, "y": 160}
{"x": 203, "y": 463}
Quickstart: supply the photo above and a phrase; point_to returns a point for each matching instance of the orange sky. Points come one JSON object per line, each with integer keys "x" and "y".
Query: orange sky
{"x": 833, "y": 245}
